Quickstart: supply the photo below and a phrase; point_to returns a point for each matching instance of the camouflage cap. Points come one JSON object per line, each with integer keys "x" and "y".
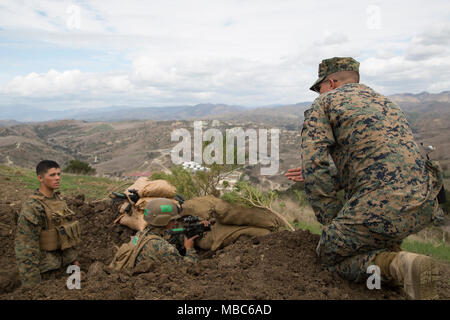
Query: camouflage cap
{"x": 332, "y": 65}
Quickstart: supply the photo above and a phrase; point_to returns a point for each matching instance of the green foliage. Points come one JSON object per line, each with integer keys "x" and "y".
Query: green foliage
{"x": 194, "y": 184}
{"x": 79, "y": 167}
{"x": 446, "y": 173}
{"x": 200, "y": 183}
{"x": 100, "y": 128}
{"x": 249, "y": 195}
{"x": 187, "y": 183}
{"x": 313, "y": 228}
{"x": 301, "y": 198}
{"x": 439, "y": 251}
{"x": 233, "y": 197}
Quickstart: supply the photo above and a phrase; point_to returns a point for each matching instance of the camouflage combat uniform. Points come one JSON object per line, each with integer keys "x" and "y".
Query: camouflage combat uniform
{"x": 390, "y": 188}
{"x": 159, "y": 249}
{"x": 31, "y": 260}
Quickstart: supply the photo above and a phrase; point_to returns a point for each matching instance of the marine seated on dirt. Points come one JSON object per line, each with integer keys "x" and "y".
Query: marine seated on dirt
{"x": 160, "y": 215}
{"x": 46, "y": 237}
{"x": 390, "y": 187}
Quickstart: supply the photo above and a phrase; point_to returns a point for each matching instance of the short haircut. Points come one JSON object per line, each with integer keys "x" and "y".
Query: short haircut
{"x": 44, "y": 166}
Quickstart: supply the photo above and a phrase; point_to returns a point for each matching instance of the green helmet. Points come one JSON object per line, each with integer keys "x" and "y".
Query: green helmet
{"x": 159, "y": 212}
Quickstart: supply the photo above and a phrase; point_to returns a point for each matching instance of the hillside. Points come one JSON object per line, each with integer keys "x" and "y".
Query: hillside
{"x": 280, "y": 265}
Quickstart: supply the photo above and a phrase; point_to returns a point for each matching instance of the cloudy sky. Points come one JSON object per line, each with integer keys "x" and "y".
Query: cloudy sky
{"x": 94, "y": 53}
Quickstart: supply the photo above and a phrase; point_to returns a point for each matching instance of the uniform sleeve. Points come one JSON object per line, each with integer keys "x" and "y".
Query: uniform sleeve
{"x": 162, "y": 250}
{"x": 27, "y": 245}
{"x": 321, "y": 185}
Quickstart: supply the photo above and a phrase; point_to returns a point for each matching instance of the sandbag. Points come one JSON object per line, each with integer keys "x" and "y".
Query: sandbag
{"x": 138, "y": 185}
{"x": 152, "y": 188}
{"x": 224, "y": 235}
{"x": 206, "y": 241}
{"x": 205, "y": 207}
{"x": 136, "y": 223}
{"x": 244, "y": 216}
{"x": 158, "y": 189}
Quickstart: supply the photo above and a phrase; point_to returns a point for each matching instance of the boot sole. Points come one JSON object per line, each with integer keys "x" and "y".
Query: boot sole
{"x": 425, "y": 275}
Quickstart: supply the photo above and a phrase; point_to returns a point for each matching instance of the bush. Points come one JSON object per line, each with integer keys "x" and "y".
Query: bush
{"x": 196, "y": 184}
{"x": 301, "y": 198}
{"x": 79, "y": 167}
{"x": 186, "y": 183}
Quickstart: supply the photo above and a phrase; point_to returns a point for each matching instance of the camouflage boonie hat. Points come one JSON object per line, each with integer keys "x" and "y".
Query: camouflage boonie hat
{"x": 332, "y": 65}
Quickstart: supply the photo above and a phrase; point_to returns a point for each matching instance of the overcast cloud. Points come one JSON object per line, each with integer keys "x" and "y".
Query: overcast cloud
{"x": 69, "y": 54}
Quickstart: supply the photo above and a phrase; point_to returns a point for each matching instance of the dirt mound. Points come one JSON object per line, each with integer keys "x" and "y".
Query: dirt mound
{"x": 280, "y": 265}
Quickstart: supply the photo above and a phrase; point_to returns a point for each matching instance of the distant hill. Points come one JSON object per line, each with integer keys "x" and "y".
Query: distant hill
{"x": 119, "y": 147}
{"x": 116, "y": 113}
{"x": 411, "y": 103}
{"x": 8, "y": 123}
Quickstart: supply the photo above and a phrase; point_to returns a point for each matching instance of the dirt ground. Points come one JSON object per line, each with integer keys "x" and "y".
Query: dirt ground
{"x": 280, "y": 265}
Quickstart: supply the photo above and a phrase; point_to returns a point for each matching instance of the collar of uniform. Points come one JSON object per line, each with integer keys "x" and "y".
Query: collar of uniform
{"x": 38, "y": 193}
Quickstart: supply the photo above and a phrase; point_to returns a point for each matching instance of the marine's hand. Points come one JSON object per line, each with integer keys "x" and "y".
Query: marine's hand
{"x": 295, "y": 174}
{"x": 205, "y": 223}
{"x": 189, "y": 243}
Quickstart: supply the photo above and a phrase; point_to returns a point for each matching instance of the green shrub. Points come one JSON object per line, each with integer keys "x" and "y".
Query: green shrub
{"x": 301, "y": 198}
{"x": 79, "y": 167}
{"x": 186, "y": 183}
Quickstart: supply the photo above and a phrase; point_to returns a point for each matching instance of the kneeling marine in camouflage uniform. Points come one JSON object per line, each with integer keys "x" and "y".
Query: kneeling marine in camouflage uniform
{"x": 390, "y": 188}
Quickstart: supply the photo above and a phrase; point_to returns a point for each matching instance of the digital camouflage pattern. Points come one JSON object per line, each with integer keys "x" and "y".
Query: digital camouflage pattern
{"x": 390, "y": 188}
{"x": 31, "y": 260}
{"x": 333, "y": 65}
{"x": 160, "y": 250}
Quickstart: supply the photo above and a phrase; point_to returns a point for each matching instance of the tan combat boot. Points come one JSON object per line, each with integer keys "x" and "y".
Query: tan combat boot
{"x": 417, "y": 273}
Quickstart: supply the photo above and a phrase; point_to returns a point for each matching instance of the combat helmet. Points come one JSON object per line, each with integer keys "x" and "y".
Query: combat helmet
{"x": 160, "y": 211}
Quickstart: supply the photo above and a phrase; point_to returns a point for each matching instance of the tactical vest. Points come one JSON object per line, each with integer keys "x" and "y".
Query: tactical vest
{"x": 125, "y": 257}
{"x": 61, "y": 232}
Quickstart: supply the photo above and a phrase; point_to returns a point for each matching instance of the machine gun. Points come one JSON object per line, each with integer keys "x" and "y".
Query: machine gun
{"x": 190, "y": 227}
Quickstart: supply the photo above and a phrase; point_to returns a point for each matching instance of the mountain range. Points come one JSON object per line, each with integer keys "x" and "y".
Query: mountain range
{"x": 11, "y": 114}
{"x": 141, "y": 140}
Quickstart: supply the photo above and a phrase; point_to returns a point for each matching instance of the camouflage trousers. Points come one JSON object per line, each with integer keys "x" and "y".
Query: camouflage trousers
{"x": 369, "y": 224}
{"x": 56, "y": 259}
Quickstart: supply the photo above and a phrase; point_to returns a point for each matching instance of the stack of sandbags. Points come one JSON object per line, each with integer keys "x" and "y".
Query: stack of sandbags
{"x": 232, "y": 221}
{"x": 147, "y": 190}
